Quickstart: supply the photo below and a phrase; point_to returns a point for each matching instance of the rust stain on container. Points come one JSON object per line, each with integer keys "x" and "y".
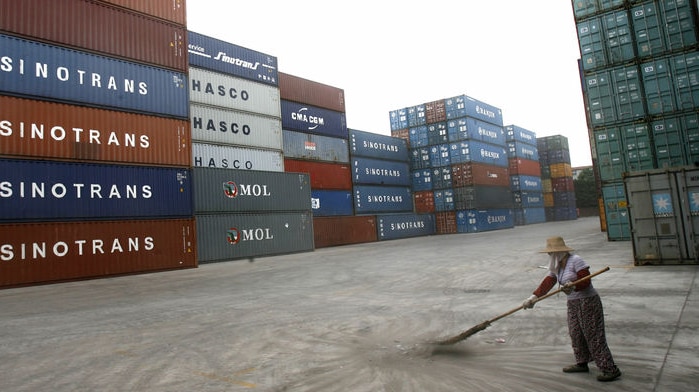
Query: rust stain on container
{"x": 445, "y": 222}
{"x": 172, "y": 10}
{"x": 472, "y": 173}
{"x": 344, "y": 230}
{"x": 103, "y": 28}
{"x": 423, "y": 202}
{"x": 297, "y": 89}
{"x": 32, "y": 128}
{"x": 435, "y": 111}
{"x": 36, "y": 253}
{"x": 323, "y": 175}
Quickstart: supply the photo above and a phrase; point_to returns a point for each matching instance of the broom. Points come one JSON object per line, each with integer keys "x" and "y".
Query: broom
{"x": 472, "y": 331}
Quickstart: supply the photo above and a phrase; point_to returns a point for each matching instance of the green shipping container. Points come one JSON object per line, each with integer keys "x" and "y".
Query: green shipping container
{"x": 657, "y": 83}
{"x": 616, "y": 212}
{"x": 618, "y": 41}
{"x": 669, "y": 142}
{"x": 610, "y": 154}
{"x": 638, "y": 147}
{"x": 685, "y": 72}
{"x": 647, "y": 26}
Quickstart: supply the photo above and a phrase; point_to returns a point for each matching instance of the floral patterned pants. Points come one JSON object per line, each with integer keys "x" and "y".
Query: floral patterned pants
{"x": 586, "y": 328}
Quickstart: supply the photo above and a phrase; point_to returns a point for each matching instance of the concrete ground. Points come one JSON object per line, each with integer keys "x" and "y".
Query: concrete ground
{"x": 355, "y": 318}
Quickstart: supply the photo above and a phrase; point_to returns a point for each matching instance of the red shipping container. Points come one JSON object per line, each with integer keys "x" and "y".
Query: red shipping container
{"x": 524, "y": 167}
{"x": 33, "y": 253}
{"x": 344, "y": 230}
{"x": 172, "y": 10}
{"x": 423, "y": 202}
{"x": 41, "y": 129}
{"x": 323, "y": 175}
{"x": 563, "y": 184}
{"x": 98, "y": 27}
{"x": 435, "y": 111}
{"x": 401, "y": 134}
{"x": 473, "y": 173}
{"x": 445, "y": 222}
{"x": 296, "y": 89}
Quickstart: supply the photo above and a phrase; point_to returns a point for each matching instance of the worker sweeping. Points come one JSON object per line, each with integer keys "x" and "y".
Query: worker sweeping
{"x": 585, "y": 313}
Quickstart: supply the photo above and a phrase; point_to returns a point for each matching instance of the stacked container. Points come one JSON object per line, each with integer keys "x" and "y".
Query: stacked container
{"x": 557, "y": 178}
{"x": 96, "y": 143}
{"x": 525, "y": 175}
{"x": 245, "y": 204}
{"x": 316, "y": 142}
{"x": 640, "y": 74}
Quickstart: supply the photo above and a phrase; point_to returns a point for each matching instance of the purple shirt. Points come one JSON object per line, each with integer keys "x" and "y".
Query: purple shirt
{"x": 574, "y": 264}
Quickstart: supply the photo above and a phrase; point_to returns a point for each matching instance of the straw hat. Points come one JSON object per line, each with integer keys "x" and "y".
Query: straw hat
{"x": 556, "y": 244}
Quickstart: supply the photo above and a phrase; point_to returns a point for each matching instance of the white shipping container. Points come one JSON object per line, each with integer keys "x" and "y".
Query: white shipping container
{"x": 237, "y": 158}
{"x": 217, "y": 89}
{"x": 233, "y": 127}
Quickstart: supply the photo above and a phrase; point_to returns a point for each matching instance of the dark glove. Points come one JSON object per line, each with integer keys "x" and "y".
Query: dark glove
{"x": 529, "y": 302}
{"x": 568, "y": 288}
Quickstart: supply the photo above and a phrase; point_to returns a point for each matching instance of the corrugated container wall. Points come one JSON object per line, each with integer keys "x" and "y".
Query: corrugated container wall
{"x": 98, "y": 27}
{"x": 344, "y": 230}
{"x": 34, "y": 69}
{"x": 172, "y": 10}
{"x": 41, "y": 129}
{"x": 324, "y": 175}
{"x": 301, "y": 145}
{"x": 394, "y": 226}
{"x": 372, "y": 145}
{"x": 382, "y": 199}
{"x": 232, "y": 157}
{"x": 297, "y": 89}
{"x": 233, "y": 127}
{"x": 331, "y": 202}
{"x": 311, "y": 119}
{"x": 35, "y": 253}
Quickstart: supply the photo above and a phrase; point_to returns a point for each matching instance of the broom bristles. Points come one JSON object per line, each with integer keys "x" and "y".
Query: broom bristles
{"x": 466, "y": 334}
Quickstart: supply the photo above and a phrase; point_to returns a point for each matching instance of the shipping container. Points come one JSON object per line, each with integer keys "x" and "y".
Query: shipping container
{"x": 344, "y": 230}
{"x": 561, "y": 170}
{"x": 469, "y": 128}
{"x": 610, "y": 150}
{"x": 565, "y": 213}
{"x": 109, "y": 30}
{"x": 527, "y": 167}
{"x": 172, "y": 10}
{"x": 465, "y": 106}
{"x": 657, "y": 85}
{"x": 34, "y": 253}
{"x": 663, "y": 26}
{"x": 420, "y": 158}
{"x": 482, "y": 197}
{"x": 440, "y": 155}
{"x": 324, "y": 175}
{"x": 639, "y": 148}
{"x": 476, "y": 221}
{"x": 401, "y": 134}
{"x": 421, "y": 180}
{"x": 311, "y": 119}
{"x": 418, "y": 137}
{"x": 297, "y": 89}
{"x": 35, "y": 69}
{"x": 550, "y": 157}
{"x": 373, "y": 145}
{"x": 562, "y": 184}
{"x": 478, "y": 152}
{"x": 236, "y": 158}
{"x": 685, "y": 73}
{"x": 437, "y": 133}
{"x": 616, "y": 212}
{"x": 615, "y": 95}
{"x": 563, "y": 199}
{"x": 231, "y": 92}
{"x": 423, "y": 202}
{"x": 374, "y": 199}
{"x": 522, "y": 150}
{"x": 42, "y": 129}
{"x": 585, "y": 8}
{"x": 445, "y": 222}
{"x": 525, "y": 183}
{"x": 441, "y": 177}
{"x": 224, "y": 237}
{"x": 435, "y": 111}
{"x": 554, "y": 142}
{"x": 529, "y": 216}
{"x": 395, "y": 226}
{"x": 220, "y": 56}
{"x": 473, "y": 173}
{"x": 416, "y": 115}
{"x": 51, "y": 190}
{"x": 218, "y": 125}
{"x": 619, "y": 42}
{"x": 223, "y": 190}
{"x": 514, "y": 133}
{"x": 332, "y": 202}
{"x": 444, "y": 200}
{"x": 690, "y": 130}
{"x": 302, "y": 145}
{"x": 669, "y": 144}
{"x": 528, "y": 199}
{"x": 398, "y": 119}
{"x": 380, "y": 172}
{"x": 548, "y": 198}
{"x": 591, "y": 40}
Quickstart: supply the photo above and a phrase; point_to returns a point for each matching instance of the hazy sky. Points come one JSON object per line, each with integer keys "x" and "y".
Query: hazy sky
{"x": 520, "y": 56}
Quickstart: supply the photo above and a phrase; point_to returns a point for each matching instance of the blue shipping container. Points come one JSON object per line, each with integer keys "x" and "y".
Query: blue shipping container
{"x": 474, "y": 221}
{"x": 441, "y": 177}
{"x": 517, "y": 149}
{"x": 468, "y": 128}
{"x": 528, "y": 199}
{"x": 394, "y": 226}
{"x": 525, "y": 183}
{"x": 398, "y": 119}
{"x": 528, "y": 216}
{"x": 380, "y": 172}
{"x": 378, "y": 199}
{"x": 439, "y": 155}
{"x": 421, "y": 180}
{"x": 332, "y": 203}
{"x": 50, "y": 190}
{"x": 465, "y": 106}
{"x": 374, "y": 145}
{"x": 443, "y": 200}
{"x": 514, "y": 133}
{"x": 216, "y": 55}
{"x": 312, "y": 119}
{"x": 301, "y": 145}
{"x": 475, "y": 151}
{"x": 418, "y": 136}
{"x": 39, "y": 70}
{"x": 420, "y": 158}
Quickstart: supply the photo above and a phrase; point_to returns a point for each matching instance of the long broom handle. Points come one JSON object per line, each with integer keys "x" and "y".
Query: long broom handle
{"x": 588, "y": 277}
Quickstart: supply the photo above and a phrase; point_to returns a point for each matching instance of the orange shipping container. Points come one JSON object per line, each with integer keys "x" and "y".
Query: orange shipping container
{"x": 445, "y": 222}
{"x": 344, "y": 230}
{"x": 525, "y": 167}
{"x": 41, "y": 129}
{"x": 423, "y": 202}
{"x": 323, "y": 175}
{"x": 561, "y": 170}
{"x": 300, "y": 90}
{"x": 172, "y": 10}
{"x": 548, "y": 199}
{"x": 33, "y": 253}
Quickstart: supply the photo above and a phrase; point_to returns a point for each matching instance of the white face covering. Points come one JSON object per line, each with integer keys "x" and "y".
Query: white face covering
{"x": 555, "y": 261}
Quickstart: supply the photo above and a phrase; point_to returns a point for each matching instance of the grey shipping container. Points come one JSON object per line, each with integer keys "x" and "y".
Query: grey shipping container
{"x": 373, "y": 145}
{"x": 224, "y": 237}
{"x": 664, "y": 215}
{"x": 394, "y": 226}
{"x": 217, "y": 89}
{"x": 240, "y": 158}
{"x": 302, "y": 145}
{"x": 222, "y": 190}
{"x": 234, "y": 127}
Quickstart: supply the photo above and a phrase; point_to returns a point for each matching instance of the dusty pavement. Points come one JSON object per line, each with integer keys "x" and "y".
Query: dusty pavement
{"x": 354, "y": 318}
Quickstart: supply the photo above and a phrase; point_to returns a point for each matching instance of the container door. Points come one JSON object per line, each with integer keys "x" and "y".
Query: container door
{"x": 688, "y": 190}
